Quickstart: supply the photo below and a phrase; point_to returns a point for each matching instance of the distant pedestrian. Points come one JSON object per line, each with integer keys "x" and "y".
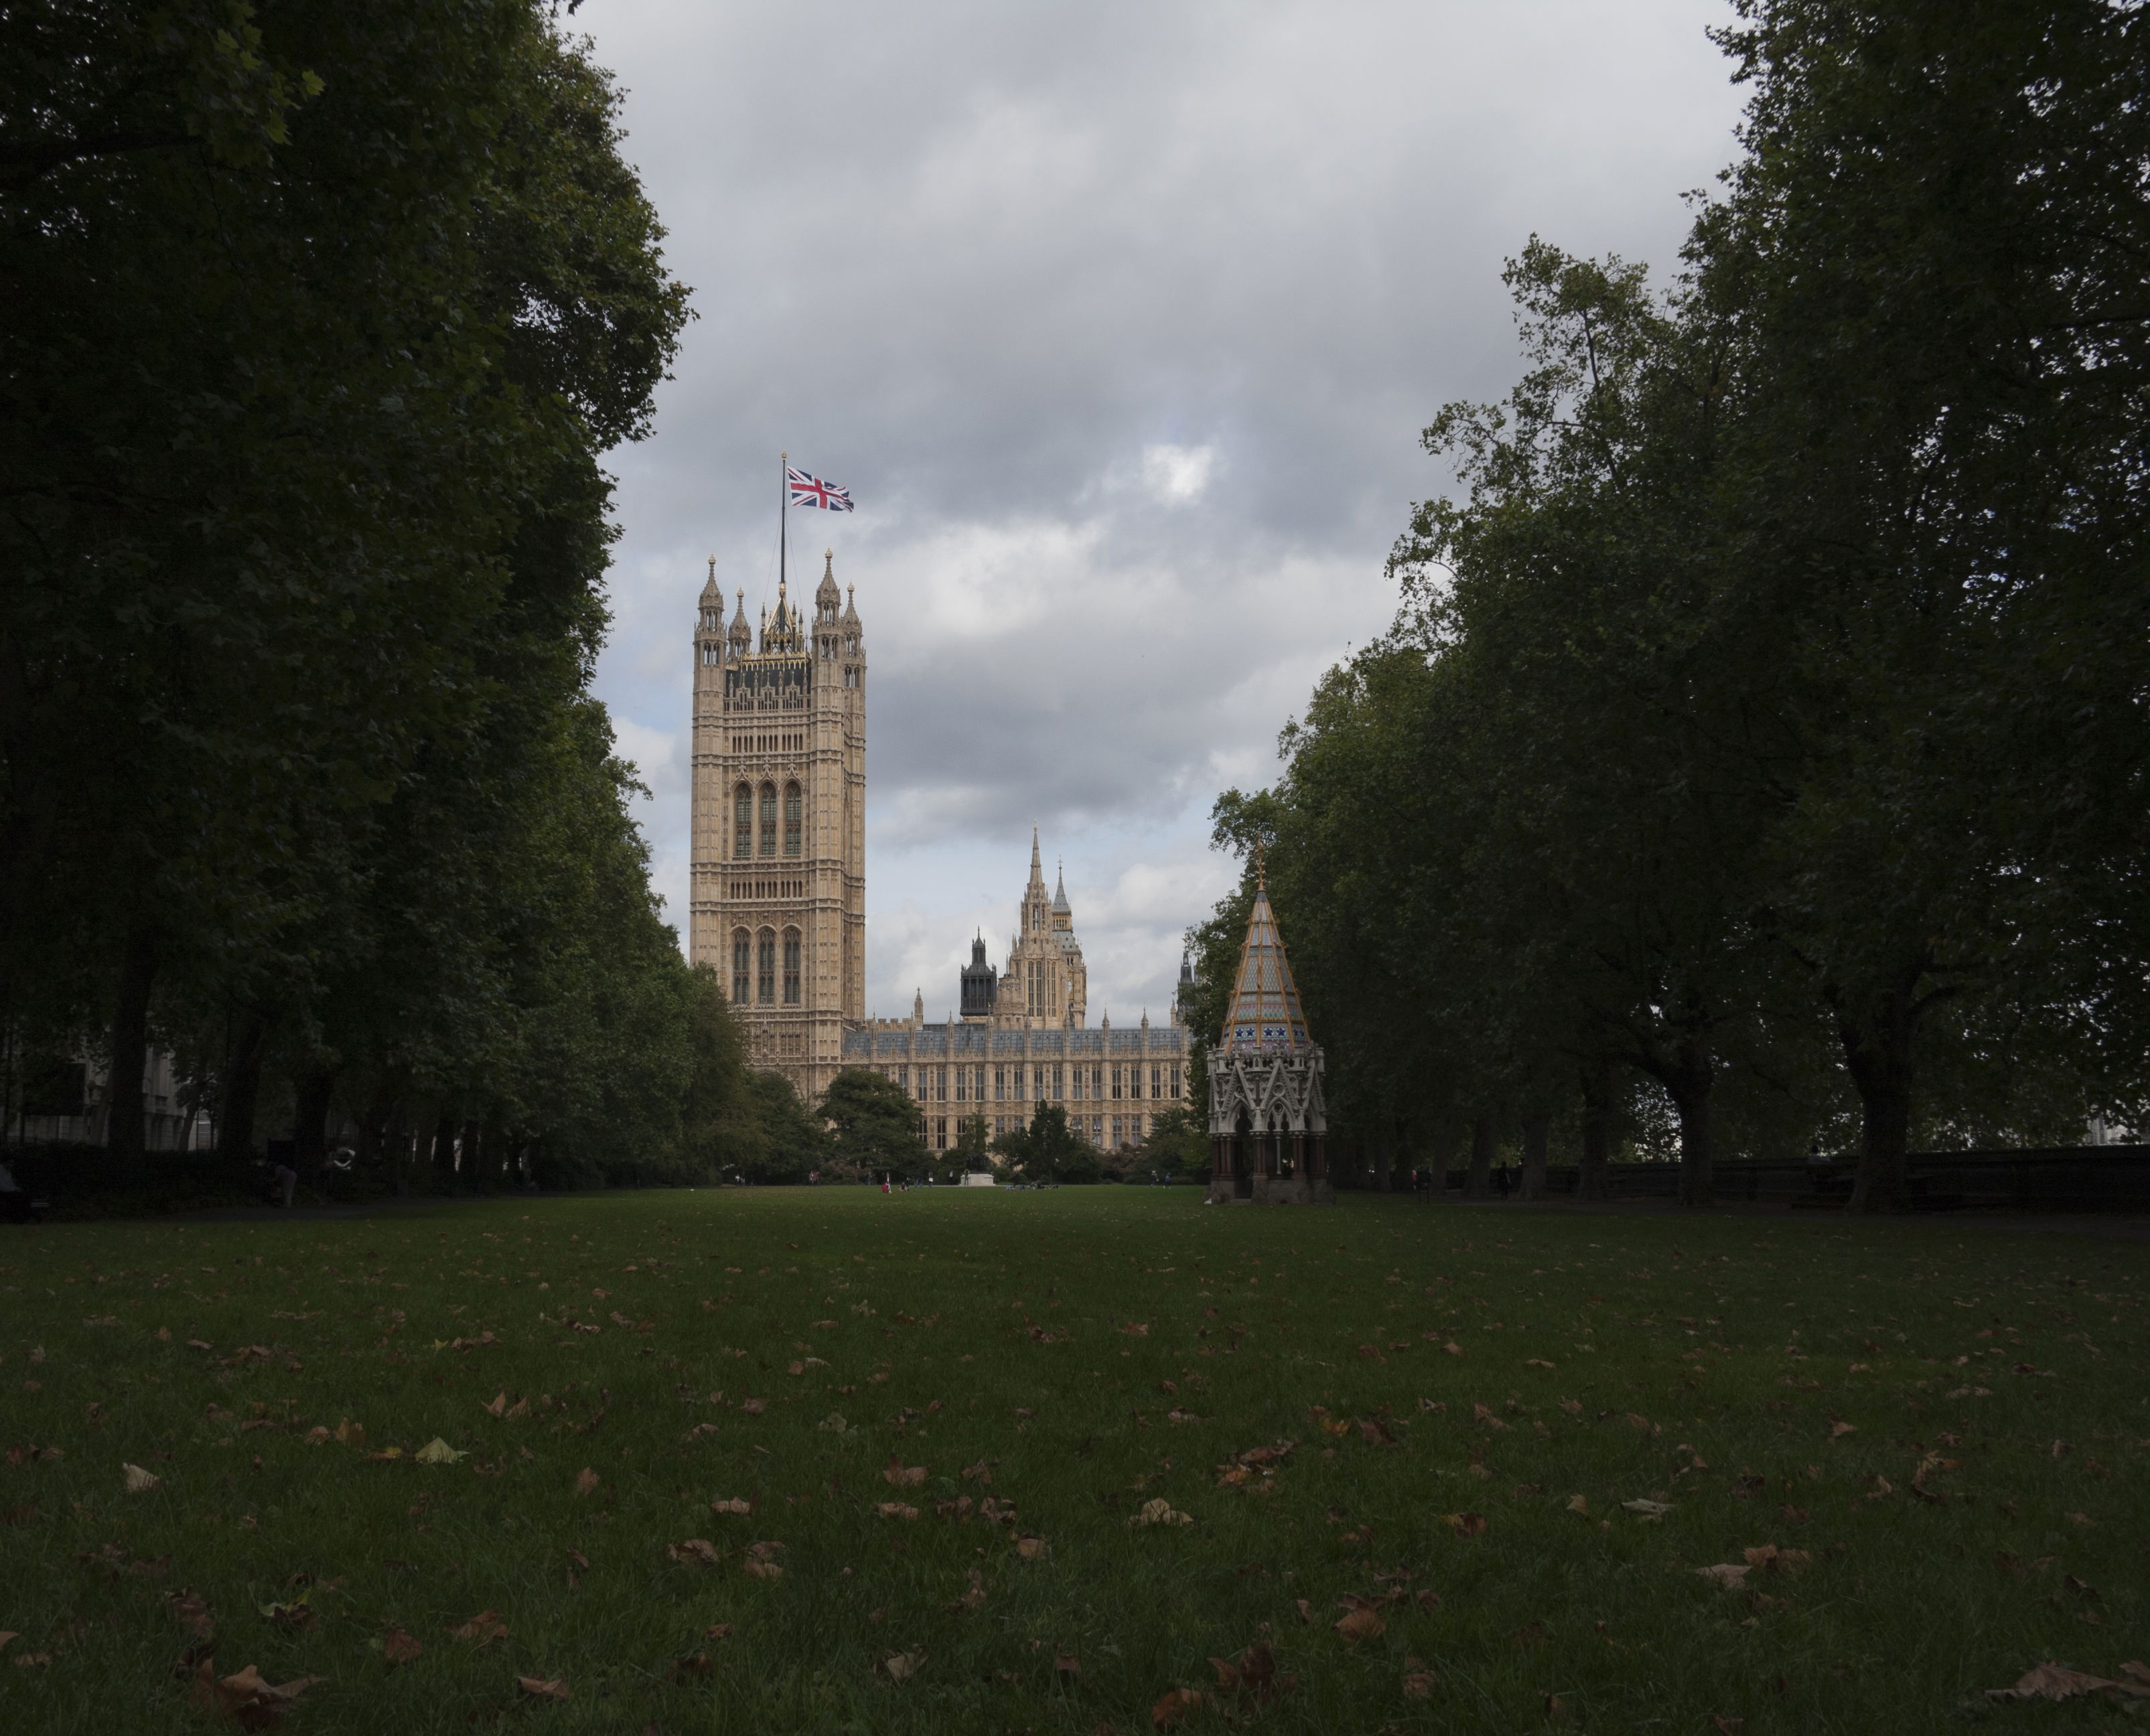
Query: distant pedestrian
{"x": 1501, "y": 1180}
{"x": 287, "y": 1183}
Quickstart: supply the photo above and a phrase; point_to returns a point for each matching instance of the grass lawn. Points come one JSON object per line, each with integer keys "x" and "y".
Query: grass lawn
{"x": 1946, "y": 1424}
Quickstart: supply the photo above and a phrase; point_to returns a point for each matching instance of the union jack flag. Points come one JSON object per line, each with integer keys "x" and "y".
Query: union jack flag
{"x": 812, "y": 492}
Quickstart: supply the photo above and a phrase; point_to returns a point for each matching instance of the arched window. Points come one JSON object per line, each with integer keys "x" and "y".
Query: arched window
{"x": 795, "y": 815}
{"x": 769, "y": 819}
{"x": 742, "y": 963}
{"x": 764, "y": 972}
{"x": 742, "y": 823}
{"x": 790, "y": 967}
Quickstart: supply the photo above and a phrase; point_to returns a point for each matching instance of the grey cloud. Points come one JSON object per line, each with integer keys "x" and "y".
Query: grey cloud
{"x": 976, "y": 261}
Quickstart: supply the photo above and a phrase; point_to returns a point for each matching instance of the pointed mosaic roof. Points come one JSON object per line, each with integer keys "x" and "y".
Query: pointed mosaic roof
{"x": 1264, "y": 1012}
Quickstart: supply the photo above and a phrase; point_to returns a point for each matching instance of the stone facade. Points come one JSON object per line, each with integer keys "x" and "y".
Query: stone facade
{"x": 777, "y": 903}
{"x": 1022, "y": 1042}
{"x": 1269, "y": 1127}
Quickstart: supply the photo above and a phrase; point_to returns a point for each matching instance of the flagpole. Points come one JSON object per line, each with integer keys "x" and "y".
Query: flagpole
{"x": 783, "y": 506}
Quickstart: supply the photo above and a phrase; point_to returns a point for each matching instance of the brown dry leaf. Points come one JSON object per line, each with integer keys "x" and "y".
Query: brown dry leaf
{"x": 1362, "y": 1620}
{"x": 898, "y": 1475}
{"x": 350, "y": 1433}
{"x": 1419, "y": 1685}
{"x": 718, "y": 1630}
{"x": 1135, "y": 1329}
{"x": 737, "y": 1503}
{"x": 2052, "y": 1682}
{"x": 6, "y": 1636}
{"x": 897, "y": 1510}
{"x": 1064, "y": 1664}
{"x": 481, "y": 1629}
{"x": 1464, "y": 1525}
{"x": 1030, "y": 1547}
{"x": 1177, "y": 1705}
{"x": 688, "y": 1669}
{"x": 2137, "y": 1673}
{"x": 192, "y": 1613}
{"x": 140, "y": 1481}
{"x": 245, "y": 1699}
{"x": 498, "y": 1407}
{"x": 697, "y": 1551}
{"x": 900, "y": 1667}
{"x": 1305, "y": 1612}
{"x": 1160, "y": 1512}
{"x": 1731, "y": 1575}
{"x": 399, "y": 1646}
{"x": 1838, "y": 1430}
{"x": 1579, "y": 1504}
{"x": 540, "y": 1690}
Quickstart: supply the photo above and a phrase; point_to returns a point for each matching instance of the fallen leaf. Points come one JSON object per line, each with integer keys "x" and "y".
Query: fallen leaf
{"x": 1838, "y": 1430}
{"x": 698, "y": 1551}
{"x": 718, "y": 1630}
{"x": 1160, "y": 1512}
{"x": 1419, "y": 1684}
{"x": 1030, "y": 1547}
{"x": 1579, "y": 1504}
{"x": 1177, "y": 1705}
{"x": 192, "y": 1613}
{"x": 1064, "y": 1664}
{"x": 1464, "y": 1525}
{"x": 688, "y": 1669}
{"x": 1537, "y": 1362}
{"x": 498, "y": 1407}
{"x": 350, "y": 1433}
{"x": 539, "y": 1689}
{"x": 1362, "y": 1620}
{"x": 1731, "y": 1575}
{"x": 737, "y": 1503}
{"x": 398, "y": 1646}
{"x": 901, "y": 1476}
{"x": 438, "y": 1451}
{"x": 1135, "y": 1329}
{"x": 1646, "y": 1509}
{"x": 481, "y": 1629}
{"x": 900, "y": 1667}
{"x": 897, "y": 1510}
{"x": 1305, "y": 1612}
{"x": 2052, "y": 1682}
{"x": 243, "y": 1698}
{"x": 141, "y": 1482}
{"x": 586, "y": 1480}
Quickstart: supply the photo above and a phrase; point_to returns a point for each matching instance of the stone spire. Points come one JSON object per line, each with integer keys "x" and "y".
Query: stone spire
{"x": 827, "y": 597}
{"x": 711, "y": 592}
{"x": 741, "y": 635}
{"x": 1264, "y": 1012}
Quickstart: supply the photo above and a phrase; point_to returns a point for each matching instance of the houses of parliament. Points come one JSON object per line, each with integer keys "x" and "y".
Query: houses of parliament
{"x": 777, "y": 904}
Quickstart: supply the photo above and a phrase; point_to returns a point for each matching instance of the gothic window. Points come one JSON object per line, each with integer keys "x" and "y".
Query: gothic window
{"x": 1172, "y": 1081}
{"x": 793, "y": 815}
{"x": 903, "y": 1080}
{"x": 790, "y": 967}
{"x": 764, "y": 974}
{"x": 963, "y": 1081}
{"x": 742, "y": 823}
{"x": 941, "y": 1084}
{"x": 1055, "y": 1082}
{"x": 940, "y": 1132}
{"x": 999, "y": 1084}
{"x": 1116, "y": 1084}
{"x": 769, "y": 819}
{"x": 742, "y": 963}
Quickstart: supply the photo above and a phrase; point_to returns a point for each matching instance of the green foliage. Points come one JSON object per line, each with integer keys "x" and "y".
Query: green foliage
{"x": 972, "y": 1140}
{"x": 1048, "y": 1150}
{"x": 320, "y": 318}
{"x": 1762, "y": 725}
{"x": 1177, "y": 1147}
{"x": 874, "y": 1126}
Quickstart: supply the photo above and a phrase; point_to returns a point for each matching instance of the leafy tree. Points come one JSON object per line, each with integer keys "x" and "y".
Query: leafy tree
{"x": 1048, "y": 1150}
{"x": 1176, "y": 1145}
{"x": 874, "y": 1125}
{"x": 973, "y": 1141}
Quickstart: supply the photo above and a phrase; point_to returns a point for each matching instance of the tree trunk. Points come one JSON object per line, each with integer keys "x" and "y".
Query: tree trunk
{"x": 395, "y": 1142}
{"x": 242, "y": 1088}
{"x": 1689, "y": 1081}
{"x": 1444, "y": 1156}
{"x": 124, "y": 1126}
{"x": 471, "y": 1168}
{"x": 1597, "y": 1131}
{"x": 1384, "y": 1144}
{"x": 444, "y": 1149}
{"x": 310, "y": 1128}
{"x": 1877, "y": 1053}
{"x": 1535, "y": 1130}
{"x": 1478, "y": 1184}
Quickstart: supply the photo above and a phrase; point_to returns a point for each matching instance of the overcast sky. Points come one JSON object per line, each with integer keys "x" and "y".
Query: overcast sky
{"x": 1120, "y": 321}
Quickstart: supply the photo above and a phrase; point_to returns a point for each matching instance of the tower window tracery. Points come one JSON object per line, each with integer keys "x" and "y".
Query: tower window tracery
{"x": 743, "y": 822}
{"x": 790, "y": 967}
{"x": 764, "y": 976}
{"x": 769, "y": 819}
{"x": 741, "y": 965}
{"x": 794, "y": 819}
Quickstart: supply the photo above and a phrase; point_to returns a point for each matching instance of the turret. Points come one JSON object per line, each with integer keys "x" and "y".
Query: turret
{"x": 741, "y": 639}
